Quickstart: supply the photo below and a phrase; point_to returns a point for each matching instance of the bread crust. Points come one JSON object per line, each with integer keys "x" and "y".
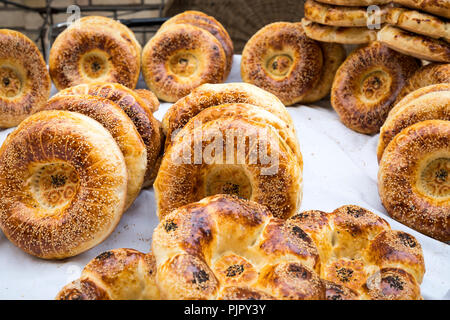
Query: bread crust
{"x": 114, "y": 119}
{"x": 437, "y": 7}
{"x": 356, "y": 248}
{"x": 184, "y": 177}
{"x": 333, "y": 56}
{"x": 413, "y": 179}
{"x": 119, "y": 274}
{"x": 140, "y": 113}
{"x": 428, "y": 103}
{"x": 228, "y": 248}
{"x": 413, "y": 44}
{"x": 64, "y": 182}
{"x": 340, "y": 16}
{"x": 268, "y": 256}
{"x": 149, "y": 98}
{"x": 253, "y": 113}
{"x": 429, "y": 74}
{"x": 240, "y": 250}
{"x": 180, "y": 58}
{"x": 94, "y": 50}
{"x": 209, "y": 95}
{"x": 344, "y": 35}
{"x": 366, "y": 85}
{"x": 419, "y": 22}
{"x": 281, "y": 59}
{"x": 25, "y": 84}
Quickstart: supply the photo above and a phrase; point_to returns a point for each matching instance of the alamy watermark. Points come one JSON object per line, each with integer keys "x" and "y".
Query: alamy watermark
{"x": 228, "y": 146}
{"x": 374, "y": 14}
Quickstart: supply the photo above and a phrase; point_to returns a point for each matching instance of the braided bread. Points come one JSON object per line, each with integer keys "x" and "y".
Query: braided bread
{"x": 223, "y": 244}
{"x": 281, "y": 59}
{"x": 366, "y": 86}
{"x": 139, "y": 110}
{"x": 208, "y": 95}
{"x": 183, "y": 55}
{"x": 95, "y": 49}
{"x": 223, "y": 247}
{"x": 414, "y": 179}
{"x": 63, "y": 181}
{"x": 120, "y": 274}
{"x": 428, "y": 103}
{"x": 233, "y": 155}
{"x": 25, "y": 82}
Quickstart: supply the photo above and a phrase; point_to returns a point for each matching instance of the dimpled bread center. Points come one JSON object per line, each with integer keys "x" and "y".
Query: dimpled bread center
{"x": 54, "y": 185}
{"x": 435, "y": 178}
{"x": 375, "y": 86}
{"x": 232, "y": 269}
{"x": 279, "y": 65}
{"x": 10, "y": 83}
{"x": 95, "y": 65}
{"x": 183, "y": 64}
{"x": 228, "y": 179}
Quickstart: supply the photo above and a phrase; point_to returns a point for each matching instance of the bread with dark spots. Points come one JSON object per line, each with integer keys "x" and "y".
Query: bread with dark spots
{"x": 240, "y": 243}
{"x": 228, "y": 248}
{"x": 119, "y": 274}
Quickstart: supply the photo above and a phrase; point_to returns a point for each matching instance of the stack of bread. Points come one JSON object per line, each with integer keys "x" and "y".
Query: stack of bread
{"x": 281, "y": 59}
{"x": 188, "y": 50}
{"x": 420, "y": 29}
{"x": 232, "y": 138}
{"x": 414, "y": 156}
{"x": 223, "y": 247}
{"x": 69, "y": 171}
{"x": 344, "y": 21}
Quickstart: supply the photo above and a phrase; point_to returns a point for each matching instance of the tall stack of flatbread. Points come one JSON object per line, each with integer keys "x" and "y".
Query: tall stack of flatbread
{"x": 344, "y": 21}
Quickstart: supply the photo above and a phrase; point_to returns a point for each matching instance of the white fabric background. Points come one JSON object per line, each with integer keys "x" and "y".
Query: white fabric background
{"x": 340, "y": 167}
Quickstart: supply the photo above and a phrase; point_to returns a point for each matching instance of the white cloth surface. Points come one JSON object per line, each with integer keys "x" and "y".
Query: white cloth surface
{"x": 340, "y": 167}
